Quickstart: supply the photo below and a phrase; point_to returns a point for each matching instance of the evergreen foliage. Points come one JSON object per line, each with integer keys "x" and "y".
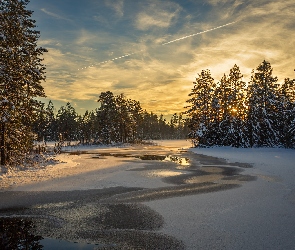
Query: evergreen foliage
{"x": 116, "y": 120}
{"x": 199, "y": 112}
{"x": 263, "y": 104}
{"x": 21, "y": 74}
{"x": 230, "y": 114}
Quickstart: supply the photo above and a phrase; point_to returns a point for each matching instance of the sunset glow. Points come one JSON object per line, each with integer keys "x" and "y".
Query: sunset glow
{"x": 152, "y": 50}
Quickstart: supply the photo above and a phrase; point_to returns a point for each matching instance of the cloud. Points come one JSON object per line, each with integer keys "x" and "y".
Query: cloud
{"x": 117, "y": 6}
{"x": 54, "y": 15}
{"x": 161, "y": 76}
{"x": 260, "y": 34}
{"x": 85, "y": 36}
{"x": 160, "y": 19}
{"x": 138, "y": 79}
{"x": 48, "y": 42}
{"x": 157, "y": 14}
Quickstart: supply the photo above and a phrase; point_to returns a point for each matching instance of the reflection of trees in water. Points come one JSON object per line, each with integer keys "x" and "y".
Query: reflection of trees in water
{"x": 17, "y": 233}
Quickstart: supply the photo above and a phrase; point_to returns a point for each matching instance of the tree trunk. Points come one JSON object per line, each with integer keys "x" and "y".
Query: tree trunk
{"x": 2, "y": 146}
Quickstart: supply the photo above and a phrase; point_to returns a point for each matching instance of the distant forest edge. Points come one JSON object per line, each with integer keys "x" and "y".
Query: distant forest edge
{"x": 116, "y": 120}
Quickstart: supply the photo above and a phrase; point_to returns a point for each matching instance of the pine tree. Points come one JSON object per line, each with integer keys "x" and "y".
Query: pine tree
{"x": 237, "y": 108}
{"x": 67, "y": 123}
{"x": 221, "y": 104}
{"x": 174, "y": 125}
{"x": 21, "y": 74}
{"x": 262, "y": 107}
{"x": 40, "y": 123}
{"x": 228, "y": 109}
{"x": 286, "y": 121}
{"x": 135, "y": 119}
{"x": 123, "y": 118}
{"x": 51, "y": 128}
{"x": 199, "y": 111}
{"x": 107, "y": 118}
{"x": 86, "y": 127}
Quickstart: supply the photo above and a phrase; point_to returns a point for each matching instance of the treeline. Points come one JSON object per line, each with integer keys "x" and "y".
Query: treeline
{"x": 260, "y": 113}
{"x": 116, "y": 120}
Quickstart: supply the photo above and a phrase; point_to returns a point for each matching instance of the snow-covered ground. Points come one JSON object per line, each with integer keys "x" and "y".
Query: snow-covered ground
{"x": 269, "y": 163}
{"x": 258, "y": 215}
{"x": 276, "y": 163}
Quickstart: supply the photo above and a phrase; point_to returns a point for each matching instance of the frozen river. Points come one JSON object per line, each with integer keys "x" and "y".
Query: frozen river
{"x": 163, "y": 196}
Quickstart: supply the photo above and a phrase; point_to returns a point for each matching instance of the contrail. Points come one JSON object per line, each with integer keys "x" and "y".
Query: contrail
{"x": 202, "y": 32}
{"x": 116, "y": 58}
{"x": 172, "y": 41}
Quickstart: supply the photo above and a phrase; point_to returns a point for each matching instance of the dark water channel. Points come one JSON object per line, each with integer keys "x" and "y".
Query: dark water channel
{"x": 114, "y": 218}
{"x": 20, "y": 233}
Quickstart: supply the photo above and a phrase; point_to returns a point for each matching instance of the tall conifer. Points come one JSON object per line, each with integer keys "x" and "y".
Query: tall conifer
{"x": 199, "y": 111}
{"x": 263, "y": 107}
{"x": 21, "y": 74}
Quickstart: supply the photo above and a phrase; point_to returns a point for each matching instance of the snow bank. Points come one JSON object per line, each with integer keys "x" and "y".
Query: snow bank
{"x": 271, "y": 161}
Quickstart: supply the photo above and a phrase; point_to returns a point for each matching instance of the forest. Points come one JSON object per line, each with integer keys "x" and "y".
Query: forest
{"x": 260, "y": 113}
{"x": 116, "y": 120}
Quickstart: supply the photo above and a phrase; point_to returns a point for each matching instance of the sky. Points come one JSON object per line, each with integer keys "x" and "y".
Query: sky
{"x": 153, "y": 50}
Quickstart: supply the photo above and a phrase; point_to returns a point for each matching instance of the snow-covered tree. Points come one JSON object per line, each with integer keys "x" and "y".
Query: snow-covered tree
{"x": 107, "y": 118}
{"x": 67, "y": 122}
{"x": 263, "y": 107}
{"x": 51, "y": 129}
{"x": 228, "y": 107}
{"x": 237, "y": 108}
{"x": 221, "y": 106}
{"x": 199, "y": 111}
{"x": 40, "y": 123}
{"x": 135, "y": 119}
{"x": 286, "y": 107}
{"x": 86, "y": 127}
{"x": 123, "y": 118}
{"x": 21, "y": 74}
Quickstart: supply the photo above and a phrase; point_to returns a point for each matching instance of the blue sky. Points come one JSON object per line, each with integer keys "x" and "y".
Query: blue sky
{"x": 153, "y": 50}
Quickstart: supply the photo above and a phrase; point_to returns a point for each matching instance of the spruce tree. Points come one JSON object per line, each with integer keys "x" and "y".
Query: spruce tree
{"x": 263, "y": 107}
{"x": 222, "y": 109}
{"x": 67, "y": 123}
{"x": 21, "y": 74}
{"x": 40, "y": 123}
{"x": 199, "y": 111}
{"x": 237, "y": 108}
{"x": 229, "y": 108}
{"x": 86, "y": 127}
{"x": 51, "y": 128}
{"x": 286, "y": 121}
{"x": 135, "y": 116}
{"x": 123, "y": 118}
{"x": 107, "y": 115}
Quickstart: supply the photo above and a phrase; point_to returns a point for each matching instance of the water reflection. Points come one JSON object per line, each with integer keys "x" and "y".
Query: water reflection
{"x": 16, "y": 233}
{"x": 20, "y": 234}
{"x": 182, "y": 162}
{"x": 163, "y": 173}
{"x": 152, "y": 157}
